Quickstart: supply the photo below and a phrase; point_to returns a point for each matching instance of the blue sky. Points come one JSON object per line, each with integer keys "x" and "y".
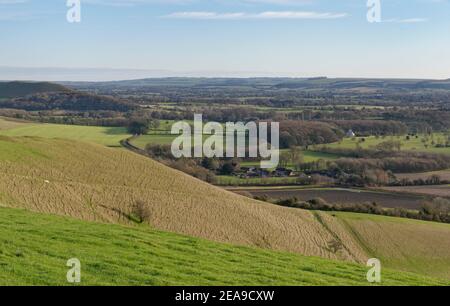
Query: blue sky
{"x": 231, "y": 37}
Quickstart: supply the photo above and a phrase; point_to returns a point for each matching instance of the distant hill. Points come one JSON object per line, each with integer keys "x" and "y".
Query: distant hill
{"x": 20, "y": 89}
{"x": 34, "y": 96}
{"x": 95, "y": 183}
{"x": 273, "y": 83}
{"x": 75, "y": 101}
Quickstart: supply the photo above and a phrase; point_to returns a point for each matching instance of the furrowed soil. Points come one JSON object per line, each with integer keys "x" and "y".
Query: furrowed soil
{"x": 388, "y": 199}
{"x": 436, "y": 191}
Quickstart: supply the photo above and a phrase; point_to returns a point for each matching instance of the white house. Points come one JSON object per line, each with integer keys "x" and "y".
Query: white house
{"x": 350, "y": 134}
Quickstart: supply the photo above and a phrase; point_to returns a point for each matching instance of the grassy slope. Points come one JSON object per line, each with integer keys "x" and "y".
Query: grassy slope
{"x": 8, "y": 124}
{"x": 95, "y": 183}
{"x": 108, "y": 136}
{"x": 34, "y": 249}
{"x": 410, "y": 245}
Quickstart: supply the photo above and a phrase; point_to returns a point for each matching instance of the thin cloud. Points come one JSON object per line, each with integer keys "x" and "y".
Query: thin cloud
{"x": 139, "y": 2}
{"x": 406, "y": 20}
{"x": 7, "y": 16}
{"x": 280, "y": 2}
{"x": 12, "y": 1}
{"x": 132, "y": 3}
{"x": 262, "y": 15}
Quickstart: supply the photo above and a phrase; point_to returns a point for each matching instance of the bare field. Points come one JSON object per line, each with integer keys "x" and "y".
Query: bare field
{"x": 345, "y": 196}
{"x": 437, "y": 191}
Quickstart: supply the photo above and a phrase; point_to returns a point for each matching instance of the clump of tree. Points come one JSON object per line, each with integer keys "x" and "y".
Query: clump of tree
{"x": 388, "y": 158}
{"x": 140, "y": 212}
{"x": 159, "y": 151}
{"x": 436, "y": 210}
{"x": 141, "y": 126}
{"x": 202, "y": 168}
{"x": 431, "y": 180}
{"x": 306, "y": 133}
{"x": 138, "y": 127}
{"x": 293, "y": 156}
{"x": 373, "y": 127}
{"x": 191, "y": 167}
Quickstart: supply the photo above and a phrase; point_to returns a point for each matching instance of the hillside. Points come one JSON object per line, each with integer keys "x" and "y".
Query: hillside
{"x": 20, "y": 89}
{"x": 9, "y": 124}
{"x": 94, "y": 183}
{"x": 35, "y": 96}
{"x": 114, "y": 255}
{"x": 409, "y": 245}
{"x": 73, "y": 101}
{"x": 108, "y": 136}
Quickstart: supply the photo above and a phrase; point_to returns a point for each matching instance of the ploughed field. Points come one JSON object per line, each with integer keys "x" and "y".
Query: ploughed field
{"x": 345, "y": 196}
{"x": 439, "y": 190}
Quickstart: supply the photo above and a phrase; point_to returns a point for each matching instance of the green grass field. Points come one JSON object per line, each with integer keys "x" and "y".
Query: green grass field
{"x": 308, "y": 157}
{"x": 162, "y": 139}
{"x": 422, "y": 143}
{"x": 108, "y": 136}
{"x": 34, "y": 249}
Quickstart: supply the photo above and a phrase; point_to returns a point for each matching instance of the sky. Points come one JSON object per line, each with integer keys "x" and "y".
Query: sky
{"x": 119, "y": 39}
